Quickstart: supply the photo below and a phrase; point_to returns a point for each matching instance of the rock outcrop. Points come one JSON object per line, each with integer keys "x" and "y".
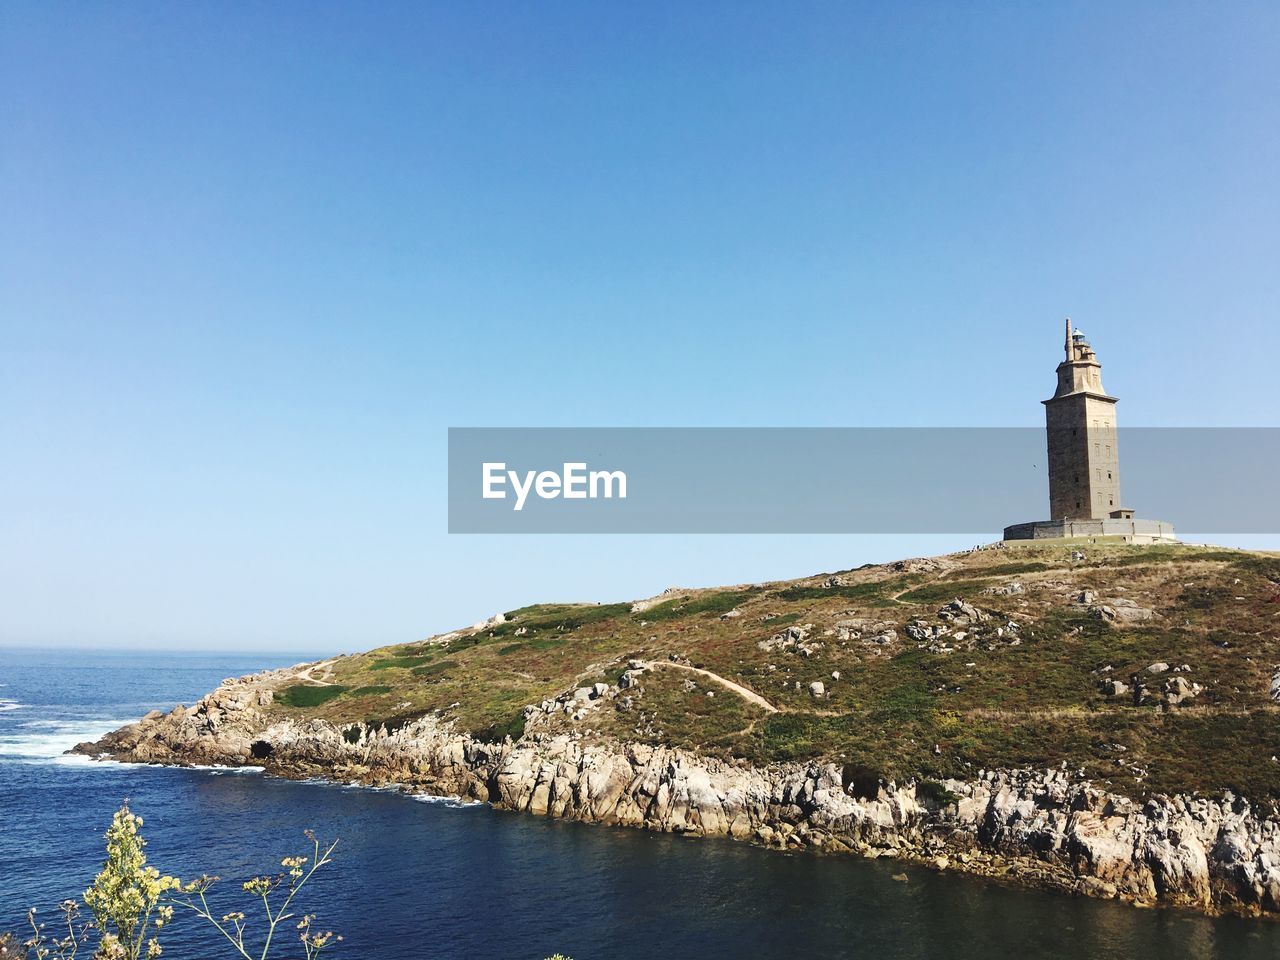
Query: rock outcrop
{"x": 1046, "y": 828}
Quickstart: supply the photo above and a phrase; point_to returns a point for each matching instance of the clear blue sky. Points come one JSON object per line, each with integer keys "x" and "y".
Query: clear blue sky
{"x": 256, "y": 258}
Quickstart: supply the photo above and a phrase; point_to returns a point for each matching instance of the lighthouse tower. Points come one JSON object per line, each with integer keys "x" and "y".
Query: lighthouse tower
{"x": 1084, "y": 467}
{"x": 1084, "y": 460}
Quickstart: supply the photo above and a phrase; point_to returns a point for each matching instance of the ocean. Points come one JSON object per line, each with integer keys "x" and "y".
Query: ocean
{"x": 417, "y": 879}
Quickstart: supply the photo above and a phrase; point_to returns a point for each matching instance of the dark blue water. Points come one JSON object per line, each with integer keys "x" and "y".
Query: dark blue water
{"x": 417, "y": 880}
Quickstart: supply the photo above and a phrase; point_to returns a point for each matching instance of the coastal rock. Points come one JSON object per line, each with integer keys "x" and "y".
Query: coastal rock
{"x": 1049, "y": 828}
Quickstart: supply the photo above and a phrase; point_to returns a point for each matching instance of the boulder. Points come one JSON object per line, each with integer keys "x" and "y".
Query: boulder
{"x": 1120, "y": 610}
{"x": 1115, "y": 688}
{"x": 786, "y": 640}
{"x": 1179, "y": 689}
{"x": 1007, "y": 590}
{"x": 959, "y": 611}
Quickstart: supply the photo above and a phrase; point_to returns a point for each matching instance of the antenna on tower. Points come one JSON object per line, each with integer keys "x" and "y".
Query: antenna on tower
{"x": 1067, "y": 345}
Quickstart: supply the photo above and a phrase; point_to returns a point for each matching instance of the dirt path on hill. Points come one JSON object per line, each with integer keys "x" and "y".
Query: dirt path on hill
{"x": 895, "y": 597}
{"x": 321, "y": 681}
{"x": 747, "y": 694}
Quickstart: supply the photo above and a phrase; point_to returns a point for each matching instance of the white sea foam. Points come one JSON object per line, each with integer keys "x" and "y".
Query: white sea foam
{"x": 48, "y": 740}
{"x": 6, "y": 705}
{"x": 218, "y": 768}
{"x": 396, "y": 788}
{"x": 455, "y": 802}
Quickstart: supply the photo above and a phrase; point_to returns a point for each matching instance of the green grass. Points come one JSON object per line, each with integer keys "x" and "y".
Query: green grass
{"x": 903, "y": 703}
{"x": 946, "y": 591}
{"x": 394, "y": 663}
{"x": 1267, "y": 567}
{"x": 534, "y": 643}
{"x": 1136, "y": 556}
{"x": 782, "y": 620}
{"x": 369, "y": 691}
{"x": 1014, "y": 569}
{"x": 1205, "y": 598}
{"x": 799, "y": 736}
{"x": 497, "y": 732}
{"x": 708, "y": 604}
{"x": 540, "y": 622}
{"x": 307, "y": 695}
{"x": 872, "y": 594}
{"x": 431, "y": 669}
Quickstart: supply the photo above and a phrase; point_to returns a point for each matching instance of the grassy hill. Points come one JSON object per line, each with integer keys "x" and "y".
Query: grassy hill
{"x": 1150, "y": 668}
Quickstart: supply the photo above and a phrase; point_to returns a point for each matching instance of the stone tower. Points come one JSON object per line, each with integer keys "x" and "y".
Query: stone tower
{"x": 1084, "y": 464}
{"x": 1084, "y": 468}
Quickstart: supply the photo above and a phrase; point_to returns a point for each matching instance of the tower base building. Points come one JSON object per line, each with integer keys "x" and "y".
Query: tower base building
{"x": 1129, "y": 531}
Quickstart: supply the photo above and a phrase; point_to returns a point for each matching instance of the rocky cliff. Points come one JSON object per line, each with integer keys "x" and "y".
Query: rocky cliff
{"x": 1052, "y": 829}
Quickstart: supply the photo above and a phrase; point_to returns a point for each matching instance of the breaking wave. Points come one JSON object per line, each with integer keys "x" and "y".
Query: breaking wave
{"x": 49, "y": 740}
{"x": 455, "y": 802}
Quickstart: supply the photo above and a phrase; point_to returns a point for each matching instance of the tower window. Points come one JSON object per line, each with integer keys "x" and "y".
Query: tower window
{"x": 1108, "y": 474}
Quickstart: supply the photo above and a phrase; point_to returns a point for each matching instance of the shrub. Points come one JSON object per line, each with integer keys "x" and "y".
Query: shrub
{"x": 932, "y": 792}
{"x": 431, "y": 669}
{"x": 126, "y": 897}
{"x": 1204, "y": 598}
{"x": 393, "y": 663}
{"x": 497, "y": 732}
{"x": 708, "y": 603}
{"x": 308, "y": 695}
{"x": 1013, "y": 569}
{"x": 945, "y": 590}
{"x": 547, "y": 617}
{"x": 283, "y": 889}
{"x": 371, "y": 691}
{"x": 131, "y": 902}
{"x": 871, "y": 593}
